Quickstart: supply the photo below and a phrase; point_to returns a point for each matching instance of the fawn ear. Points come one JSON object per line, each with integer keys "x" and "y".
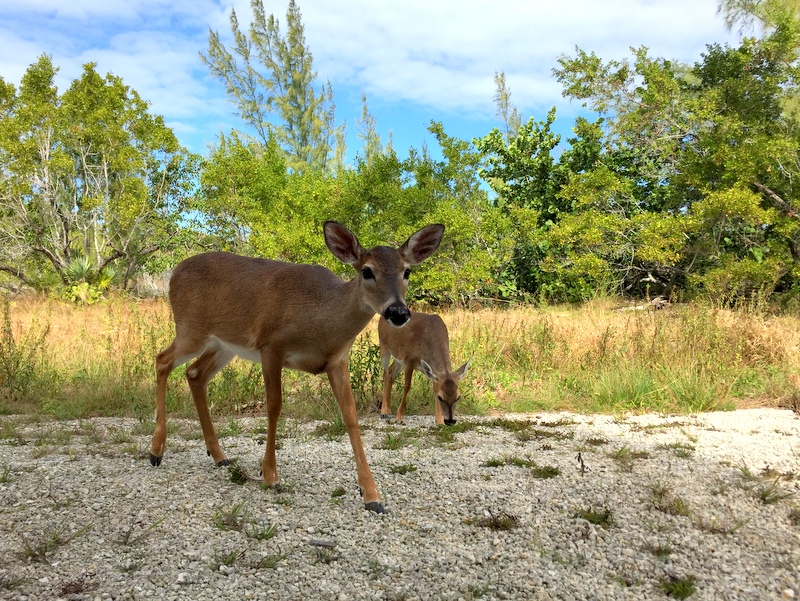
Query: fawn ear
{"x": 462, "y": 371}
{"x": 422, "y": 244}
{"x": 342, "y": 243}
{"x": 427, "y": 369}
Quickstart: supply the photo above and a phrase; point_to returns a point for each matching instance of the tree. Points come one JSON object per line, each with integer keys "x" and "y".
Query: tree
{"x": 505, "y": 110}
{"x": 277, "y": 98}
{"x": 695, "y": 182}
{"x": 367, "y": 127}
{"x": 90, "y": 180}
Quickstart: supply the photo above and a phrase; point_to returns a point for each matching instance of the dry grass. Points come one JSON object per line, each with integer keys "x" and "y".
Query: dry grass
{"x": 99, "y": 360}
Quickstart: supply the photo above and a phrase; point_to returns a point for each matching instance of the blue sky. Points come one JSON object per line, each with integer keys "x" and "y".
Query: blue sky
{"x": 416, "y": 60}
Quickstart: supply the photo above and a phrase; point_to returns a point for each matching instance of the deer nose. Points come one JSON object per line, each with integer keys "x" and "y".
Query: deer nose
{"x": 449, "y": 422}
{"x": 396, "y": 314}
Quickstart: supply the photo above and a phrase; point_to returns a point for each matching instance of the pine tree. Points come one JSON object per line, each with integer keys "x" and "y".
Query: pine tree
{"x": 271, "y": 81}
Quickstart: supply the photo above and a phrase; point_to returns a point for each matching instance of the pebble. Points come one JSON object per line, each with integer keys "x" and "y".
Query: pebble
{"x": 128, "y": 531}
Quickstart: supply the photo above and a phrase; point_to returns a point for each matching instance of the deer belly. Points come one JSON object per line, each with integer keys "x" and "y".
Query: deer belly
{"x": 250, "y": 354}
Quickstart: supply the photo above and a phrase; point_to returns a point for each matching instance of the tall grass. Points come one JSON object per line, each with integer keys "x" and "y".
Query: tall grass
{"x": 71, "y": 362}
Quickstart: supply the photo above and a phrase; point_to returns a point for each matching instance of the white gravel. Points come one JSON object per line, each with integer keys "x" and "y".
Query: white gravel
{"x": 101, "y": 523}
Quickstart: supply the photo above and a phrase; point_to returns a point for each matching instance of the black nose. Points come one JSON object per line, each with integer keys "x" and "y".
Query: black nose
{"x": 396, "y": 314}
{"x": 449, "y": 422}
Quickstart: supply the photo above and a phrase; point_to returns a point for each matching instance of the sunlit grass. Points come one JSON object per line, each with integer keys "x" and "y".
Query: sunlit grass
{"x": 99, "y": 360}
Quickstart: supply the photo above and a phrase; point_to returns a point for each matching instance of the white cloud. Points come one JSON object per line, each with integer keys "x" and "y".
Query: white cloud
{"x": 437, "y": 58}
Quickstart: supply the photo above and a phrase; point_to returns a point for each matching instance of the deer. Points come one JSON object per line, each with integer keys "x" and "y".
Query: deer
{"x": 284, "y": 315}
{"x": 423, "y": 345}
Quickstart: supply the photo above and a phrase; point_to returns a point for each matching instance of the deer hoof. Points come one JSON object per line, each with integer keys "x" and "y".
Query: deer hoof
{"x": 155, "y": 461}
{"x": 223, "y": 463}
{"x": 374, "y": 506}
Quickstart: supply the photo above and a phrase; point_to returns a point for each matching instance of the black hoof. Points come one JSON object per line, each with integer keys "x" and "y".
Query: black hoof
{"x": 223, "y": 463}
{"x": 155, "y": 461}
{"x": 449, "y": 422}
{"x": 375, "y": 506}
{"x": 385, "y": 416}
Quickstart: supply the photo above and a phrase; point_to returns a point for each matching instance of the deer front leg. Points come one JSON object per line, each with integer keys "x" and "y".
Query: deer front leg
{"x": 409, "y": 375}
{"x": 339, "y": 376}
{"x": 439, "y": 416}
{"x": 272, "y": 383}
{"x": 389, "y": 374}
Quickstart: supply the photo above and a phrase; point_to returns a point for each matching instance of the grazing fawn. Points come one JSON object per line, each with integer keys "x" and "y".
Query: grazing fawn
{"x": 422, "y": 344}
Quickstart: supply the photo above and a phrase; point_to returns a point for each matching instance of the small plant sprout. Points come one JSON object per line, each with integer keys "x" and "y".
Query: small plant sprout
{"x": 261, "y": 531}
{"x": 598, "y": 517}
{"x": 679, "y": 588}
{"x": 231, "y": 519}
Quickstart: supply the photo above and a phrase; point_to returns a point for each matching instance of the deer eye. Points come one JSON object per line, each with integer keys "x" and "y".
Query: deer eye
{"x": 367, "y": 274}
{"x": 406, "y": 274}
{"x": 441, "y": 398}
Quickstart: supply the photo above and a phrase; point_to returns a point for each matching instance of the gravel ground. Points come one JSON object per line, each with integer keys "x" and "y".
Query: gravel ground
{"x": 708, "y": 502}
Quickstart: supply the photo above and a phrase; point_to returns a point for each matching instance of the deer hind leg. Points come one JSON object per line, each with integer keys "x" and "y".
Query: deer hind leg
{"x": 339, "y": 376}
{"x": 271, "y": 369}
{"x": 406, "y": 387}
{"x": 199, "y": 374}
{"x": 389, "y": 374}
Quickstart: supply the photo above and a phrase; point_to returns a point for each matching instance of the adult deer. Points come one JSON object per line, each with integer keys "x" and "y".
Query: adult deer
{"x": 421, "y": 344}
{"x": 283, "y": 315}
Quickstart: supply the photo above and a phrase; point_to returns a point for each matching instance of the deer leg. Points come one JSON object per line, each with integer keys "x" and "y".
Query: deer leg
{"x": 406, "y": 387}
{"x": 439, "y": 416}
{"x": 272, "y": 383}
{"x": 389, "y": 374}
{"x": 165, "y": 363}
{"x": 339, "y": 376}
{"x": 199, "y": 374}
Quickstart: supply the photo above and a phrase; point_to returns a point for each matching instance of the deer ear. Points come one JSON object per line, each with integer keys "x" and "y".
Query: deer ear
{"x": 422, "y": 244}
{"x": 462, "y": 371}
{"x": 342, "y": 243}
{"x": 427, "y": 369}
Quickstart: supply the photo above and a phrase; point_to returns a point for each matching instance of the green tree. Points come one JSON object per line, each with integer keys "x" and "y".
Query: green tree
{"x": 92, "y": 185}
{"x": 695, "y": 181}
{"x": 367, "y": 126}
{"x": 505, "y": 109}
{"x": 272, "y": 86}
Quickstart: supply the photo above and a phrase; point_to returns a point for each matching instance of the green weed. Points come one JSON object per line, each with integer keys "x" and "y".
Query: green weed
{"x": 626, "y": 457}
{"x": 396, "y": 440}
{"x": 261, "y": 531}
{"x": 231, "y": 519}
{"x": 598, "y": 517}
{"x": 270, "y": 562}
{"x": 403, "y": 469}
{"x": 679, "y": 588}
{"x": 130, "y": 537}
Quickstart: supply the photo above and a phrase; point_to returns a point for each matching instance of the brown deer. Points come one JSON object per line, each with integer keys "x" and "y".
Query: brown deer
{"x": 421, "y": 344}
{"x": 283, "y": 315}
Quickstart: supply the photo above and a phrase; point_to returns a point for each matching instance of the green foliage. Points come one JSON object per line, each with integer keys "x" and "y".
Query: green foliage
{"x": 283, "y": 85}
{"x": 91, "y": 181}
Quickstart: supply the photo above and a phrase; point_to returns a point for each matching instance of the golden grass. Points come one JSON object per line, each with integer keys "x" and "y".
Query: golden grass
{"x": 99, "y": 360}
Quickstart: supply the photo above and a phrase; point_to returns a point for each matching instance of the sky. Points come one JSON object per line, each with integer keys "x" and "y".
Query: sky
{"x": 416, "y": 60}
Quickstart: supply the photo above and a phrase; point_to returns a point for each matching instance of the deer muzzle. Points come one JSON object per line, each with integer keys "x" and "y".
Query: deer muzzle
{"x": 396, "y": 314}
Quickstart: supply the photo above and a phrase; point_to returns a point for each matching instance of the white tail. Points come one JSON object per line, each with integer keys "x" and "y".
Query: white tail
{"x": 283, "y": 315}
{"x": 421, "y": 344}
